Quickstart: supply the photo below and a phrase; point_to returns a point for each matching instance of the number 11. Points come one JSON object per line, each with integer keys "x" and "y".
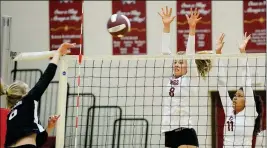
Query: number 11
{"x": 230, "y": 125}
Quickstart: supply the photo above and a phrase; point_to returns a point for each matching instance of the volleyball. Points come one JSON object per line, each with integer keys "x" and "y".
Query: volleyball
{"x": 118, "y": 25}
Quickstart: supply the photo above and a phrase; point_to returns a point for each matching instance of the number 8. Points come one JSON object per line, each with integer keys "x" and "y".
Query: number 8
{"x": 13, "y": 114}
{"x": 171, "y": 93}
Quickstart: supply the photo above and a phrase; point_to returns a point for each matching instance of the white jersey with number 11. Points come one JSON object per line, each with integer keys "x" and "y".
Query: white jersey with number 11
{"x": 238, "y": 128}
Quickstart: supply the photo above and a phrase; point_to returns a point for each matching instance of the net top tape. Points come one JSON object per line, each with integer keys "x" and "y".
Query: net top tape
{"x": 146, "y": 57}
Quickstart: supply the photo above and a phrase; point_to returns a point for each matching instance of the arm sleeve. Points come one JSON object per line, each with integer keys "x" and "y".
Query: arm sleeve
{"x": 190, "y": 46}
{"x": 190, "y": 49}
{"x": 166, "y": 43}
{"x": 37, "y": 91}
{"x": 226, "y": 100}
{"x": 247, "y": 87}
{"x": 222, "y": 87}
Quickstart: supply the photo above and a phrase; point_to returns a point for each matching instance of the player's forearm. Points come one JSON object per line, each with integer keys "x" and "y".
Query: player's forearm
{"x": 166, "y": 41}
{"x": 245, "y": 72}
{"x": 49, "y": 130}
{"x": 225, "y": 99}
{"x": 222, "y": 73}
{"x": 55, "y": 58}
{"x": 190, "y": 47}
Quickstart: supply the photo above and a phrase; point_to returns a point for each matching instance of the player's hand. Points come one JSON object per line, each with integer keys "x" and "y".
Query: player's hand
{"x": 64, "y": 48}
{"x": 194, "y": 18}
{"x": 242, "y": 46}
{"x": 219, "y": 44}
{"x": 52, "y": 121}
{"x": 166, "y": 16}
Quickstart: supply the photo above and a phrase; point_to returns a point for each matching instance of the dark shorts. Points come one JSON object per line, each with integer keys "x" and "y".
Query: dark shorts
{"x": 181, "y": 136}
{"x": 25, "y": 146}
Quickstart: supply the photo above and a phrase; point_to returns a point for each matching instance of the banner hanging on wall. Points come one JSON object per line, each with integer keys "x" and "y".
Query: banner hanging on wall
{"x": 254, "y": 12}
{"x": 65, "y": 19}
{"x": 134, "y": 42}
{"x": 203, "y": 30}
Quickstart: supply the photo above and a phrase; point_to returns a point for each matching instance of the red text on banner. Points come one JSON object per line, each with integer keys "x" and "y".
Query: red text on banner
{"x": 134, "y": 42}
{"x": 203, "y": 30}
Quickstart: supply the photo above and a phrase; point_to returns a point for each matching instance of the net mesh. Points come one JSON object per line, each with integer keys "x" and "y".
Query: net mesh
{"x": 122, "y": 101}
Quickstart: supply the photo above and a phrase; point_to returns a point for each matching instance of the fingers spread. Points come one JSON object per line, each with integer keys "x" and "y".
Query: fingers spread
{"x": 172, "y": 18}
{"x": 199, "y": 19}
{"x": 160, "y": 14}
{"x": 222, "y": 37}
{"x": 187, "y": 17}
{"x": 58, "y": 116}
{"x": 170, "y": 12}
{"x": 198, "y": 14}
{"x": 163, "y": 12}
{"x": 166, "y": 11}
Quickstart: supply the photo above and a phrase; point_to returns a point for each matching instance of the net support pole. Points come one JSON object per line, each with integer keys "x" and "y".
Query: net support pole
{"x": 61, "y": 108}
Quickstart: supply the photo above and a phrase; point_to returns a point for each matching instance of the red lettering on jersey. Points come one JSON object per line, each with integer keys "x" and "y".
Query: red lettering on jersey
{"x": 174, "y": 82}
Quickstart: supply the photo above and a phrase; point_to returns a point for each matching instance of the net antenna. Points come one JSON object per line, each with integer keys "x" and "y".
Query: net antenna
{"x": 79, "y": 80}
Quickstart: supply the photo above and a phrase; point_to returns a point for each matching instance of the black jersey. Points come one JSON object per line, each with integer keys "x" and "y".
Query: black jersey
{"x": 23, "y": 119}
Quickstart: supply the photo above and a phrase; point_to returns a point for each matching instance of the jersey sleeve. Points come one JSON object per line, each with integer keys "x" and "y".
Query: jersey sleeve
{"x": 37, "y": 91}
{"x": 247, "y": 87}
{"x": 166, "y": 43}
{"x": 190, "y": 46}
{"x": 225, "y": 99}
{"x": 222, "y": 87}
{"x": 190, "y": 50}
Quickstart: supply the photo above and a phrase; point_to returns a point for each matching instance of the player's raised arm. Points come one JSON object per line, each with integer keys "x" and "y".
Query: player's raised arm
{"x": 245, "y": 74}
{"x": 167, "y": 18}
{"x": 222, "y": 77}
{"x": 222, "y": 87}
{"x": 192, "y": 21}
{"x": 40, "y": 87}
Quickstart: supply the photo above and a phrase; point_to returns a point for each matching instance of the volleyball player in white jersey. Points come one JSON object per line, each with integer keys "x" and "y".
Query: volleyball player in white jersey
{"x": 240, "y": 112}
{"x": 181, "y": 91}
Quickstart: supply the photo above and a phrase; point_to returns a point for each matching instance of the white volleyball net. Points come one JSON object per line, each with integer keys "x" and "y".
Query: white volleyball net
{"x": 120, "y": 101}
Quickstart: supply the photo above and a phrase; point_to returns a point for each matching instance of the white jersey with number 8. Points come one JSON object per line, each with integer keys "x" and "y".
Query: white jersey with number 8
{"x": 180, "y": 92}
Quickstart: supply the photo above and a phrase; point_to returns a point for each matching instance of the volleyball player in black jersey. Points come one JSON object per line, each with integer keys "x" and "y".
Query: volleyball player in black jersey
{"x": 23, "y": 126}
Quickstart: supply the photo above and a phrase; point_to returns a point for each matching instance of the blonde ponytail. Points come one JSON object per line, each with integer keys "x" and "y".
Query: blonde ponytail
{"x": 204, "y": 66}
{"x": 14, "y": 92}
